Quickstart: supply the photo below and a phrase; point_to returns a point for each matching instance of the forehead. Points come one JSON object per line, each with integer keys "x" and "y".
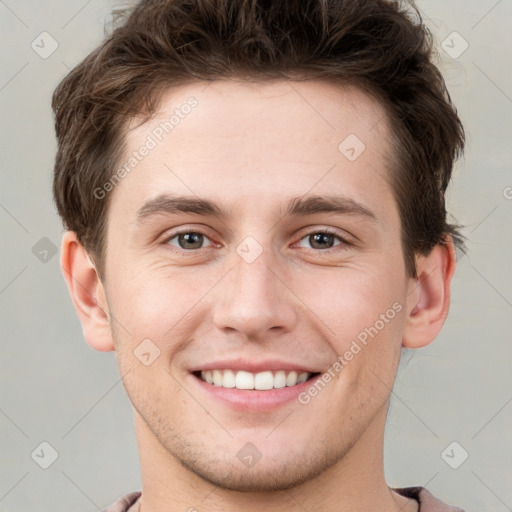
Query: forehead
{"x": 255, "y": 143}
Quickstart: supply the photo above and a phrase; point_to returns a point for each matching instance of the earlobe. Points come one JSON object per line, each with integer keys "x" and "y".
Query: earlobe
{"x": 87, "y": 293}
{"x": 428, "y": 299}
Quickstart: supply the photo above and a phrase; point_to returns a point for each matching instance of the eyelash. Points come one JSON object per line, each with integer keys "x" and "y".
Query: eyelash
{"x": 327, "y": 231}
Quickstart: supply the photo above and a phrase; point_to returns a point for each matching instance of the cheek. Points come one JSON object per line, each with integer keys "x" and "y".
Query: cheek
{"x": 362, "y": 316}
{"x": 350, "y": 300}
{"x": 157, "y": 302}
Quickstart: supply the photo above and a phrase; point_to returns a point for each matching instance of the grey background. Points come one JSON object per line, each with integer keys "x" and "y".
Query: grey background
{"x": 55, "y": 388}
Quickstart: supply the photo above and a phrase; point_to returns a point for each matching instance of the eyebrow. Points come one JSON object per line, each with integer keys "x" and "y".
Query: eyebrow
{"x": 296, "y": 207}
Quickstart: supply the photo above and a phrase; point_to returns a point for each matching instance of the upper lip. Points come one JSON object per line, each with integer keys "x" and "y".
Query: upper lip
{"x": 253, "y": 366}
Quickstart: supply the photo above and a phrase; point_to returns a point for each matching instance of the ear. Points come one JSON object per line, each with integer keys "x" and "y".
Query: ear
{"x": 87, "y": 293}
{"x": 428, "y": 299}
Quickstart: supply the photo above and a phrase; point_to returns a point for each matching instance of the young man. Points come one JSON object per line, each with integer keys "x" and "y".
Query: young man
{"x": 253, "y": 193}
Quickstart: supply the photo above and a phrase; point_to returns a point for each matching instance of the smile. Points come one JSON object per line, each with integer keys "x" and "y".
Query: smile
{"x": 264, "y": 380}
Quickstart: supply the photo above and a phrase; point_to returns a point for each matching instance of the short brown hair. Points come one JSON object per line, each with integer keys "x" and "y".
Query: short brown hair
{"x": 381, "y": 46}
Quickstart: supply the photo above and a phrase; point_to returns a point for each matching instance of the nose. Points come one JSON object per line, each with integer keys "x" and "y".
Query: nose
{"x": 254, "y": 298}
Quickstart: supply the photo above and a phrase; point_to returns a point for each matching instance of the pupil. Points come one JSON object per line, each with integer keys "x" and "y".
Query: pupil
{"x": 195, "y": 239}
{"x": 321, "y": 238}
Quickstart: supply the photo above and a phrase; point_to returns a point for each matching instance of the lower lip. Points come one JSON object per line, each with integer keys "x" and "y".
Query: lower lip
{"x": 255, "y": 400}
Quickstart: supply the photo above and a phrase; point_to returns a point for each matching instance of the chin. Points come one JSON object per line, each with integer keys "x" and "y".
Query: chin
{"x": 264, "y": 476}
{"x": 251, "y": 480}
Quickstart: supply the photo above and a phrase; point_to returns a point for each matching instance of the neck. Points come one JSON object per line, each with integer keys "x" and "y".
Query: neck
{"x": 355, "y": 483}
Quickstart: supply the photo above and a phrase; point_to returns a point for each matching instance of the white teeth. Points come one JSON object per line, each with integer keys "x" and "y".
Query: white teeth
{"x": 264, "y": 380}
{"x": 244, "y": 380}
{"x": 291, "y": 378}
{"x": 217, "y": 378}
{"x": 229, "y": 380}
{"x": 260, "y": 381}
{"x": 280, "y": 379}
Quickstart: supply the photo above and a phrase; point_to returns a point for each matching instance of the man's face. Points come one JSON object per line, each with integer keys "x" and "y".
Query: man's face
{"x": 261, "y": 288}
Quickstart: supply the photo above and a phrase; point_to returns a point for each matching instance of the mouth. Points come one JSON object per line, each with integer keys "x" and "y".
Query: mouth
{"x": 260, "y": 381}
{"x": 247, "y": 384}
{"x": 249, "y": 392}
